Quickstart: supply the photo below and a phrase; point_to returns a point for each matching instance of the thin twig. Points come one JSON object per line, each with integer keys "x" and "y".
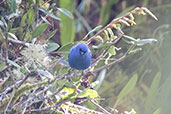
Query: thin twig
{"x": 19, "y": 58}
{"x": 56, "y": 92}
{"x": 108, "y": 25}
{"x": 107, "y": 65}
{"x": 83, "y": 108}
{"x": 105, "y": 51}
{"x": 25, "y": 78}
{"x": 25, "y": 107}
{"x": 116, "y": 61}
{"x": 9, "y": 101}
{"x": 100, "y": 107}
{"x": 18, "y": 42}
{"x": 41, "y": 92}
{"x": 47, "y": 108}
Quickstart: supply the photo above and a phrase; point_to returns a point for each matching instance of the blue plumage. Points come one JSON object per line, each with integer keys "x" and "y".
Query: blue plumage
{"x": 79, "y": 57}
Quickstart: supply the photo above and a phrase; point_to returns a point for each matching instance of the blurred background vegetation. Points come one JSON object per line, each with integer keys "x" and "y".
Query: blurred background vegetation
{"x": 152, "y": 65}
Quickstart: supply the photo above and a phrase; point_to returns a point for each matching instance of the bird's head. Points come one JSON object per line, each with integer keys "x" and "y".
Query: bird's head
{"x": 82, "y": 48}
{"x": 79, "y": 57}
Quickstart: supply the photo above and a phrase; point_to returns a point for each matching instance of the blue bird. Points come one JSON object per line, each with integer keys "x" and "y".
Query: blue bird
{"x": 79, "y": 57}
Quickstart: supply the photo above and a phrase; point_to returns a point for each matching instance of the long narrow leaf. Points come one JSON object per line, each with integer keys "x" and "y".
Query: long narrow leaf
{"x": 128, "y": 87}
{"x": 67, "y": 23}
{"x": 49, "y": 14}
{"x": 2, "y": 65}
{"x": 66, "y": 12}
{"x": 13, "y": 63}
{"x": 152, "y": 92}
{"x": 39, "y": 30}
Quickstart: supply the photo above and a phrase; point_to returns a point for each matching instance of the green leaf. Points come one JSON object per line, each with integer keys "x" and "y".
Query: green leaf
{"x": 65, "y": 93}
{"x": 12, "y": 35}
{"x": 39, "y": 30}
{"x": 45, "y": 20}
{"x": 94, "y": 84}
{"x": 4, "y": 22}
{"x": 66, "y": 12}
{"x": 118, "y": 25}
{"x": 157, "y": 111}
{"x": 52, "y": 47}
{"x": 104, "y": 46}
{"x": 13, "y": 63}
{"x": 111, "y": 34}
{"x": 64, "y": 71}
{"x": 67, "y": 24}
{"x": 51, "y": 35}
{"x": 90, "y": 93}
{"x": 1, "y": 35}
{"x": 65, "y": 48}
{"x": 128, "y": 87}
{"x": 152, "y": 92}
{"x": 145, "y": 41}
{"x": 134, "y": 51}
{"x": 27, "y": 36}
{"x": 23, "y": 20}
{"x": 76, "y": 79}
{"x": 2, "y": 65}
{"x": 13, "y": 6}
{"x": 95, "y": 29}
{"x": 30, "y": 14}
{"x": 49, "y": 14}
{"x": 112, "y": 50}
{"x": 61, "y": 83}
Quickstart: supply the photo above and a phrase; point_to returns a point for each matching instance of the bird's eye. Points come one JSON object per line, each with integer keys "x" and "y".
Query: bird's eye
{"x": 82, "y": 52}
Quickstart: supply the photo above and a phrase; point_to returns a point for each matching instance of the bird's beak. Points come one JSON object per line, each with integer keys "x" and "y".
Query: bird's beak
{"x": 82, "y": 52}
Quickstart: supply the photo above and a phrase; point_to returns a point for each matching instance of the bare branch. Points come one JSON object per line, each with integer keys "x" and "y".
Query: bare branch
{"x": 100, "y": 107}
{"x": 18, "y": 42}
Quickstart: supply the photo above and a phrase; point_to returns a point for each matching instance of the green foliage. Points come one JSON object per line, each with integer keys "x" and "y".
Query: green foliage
{"x": 66, "y": 12}
{"x": 30, "y": 17}
{"x": 93, "y": 30}
{"x": 51, "y": 35}
{"x": 2, "y": 65}
{"x": 158, "y": 111}
{"x": 66, "y": 47}
{"x": 13, "y": 6}
{"x": 39, "y": 30}
{"x": 36, "y": 36}
{"x": 88, "y": 93}
{"x": 153, "y": 91}
{"x": 13, "y": 63}
{"x": 67, "y": 22}
{"x": 112, "y": 50}
{"x": 52, "y": 47}
{"x": 128, "y": 87}
{"x": 49, "y": 14}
